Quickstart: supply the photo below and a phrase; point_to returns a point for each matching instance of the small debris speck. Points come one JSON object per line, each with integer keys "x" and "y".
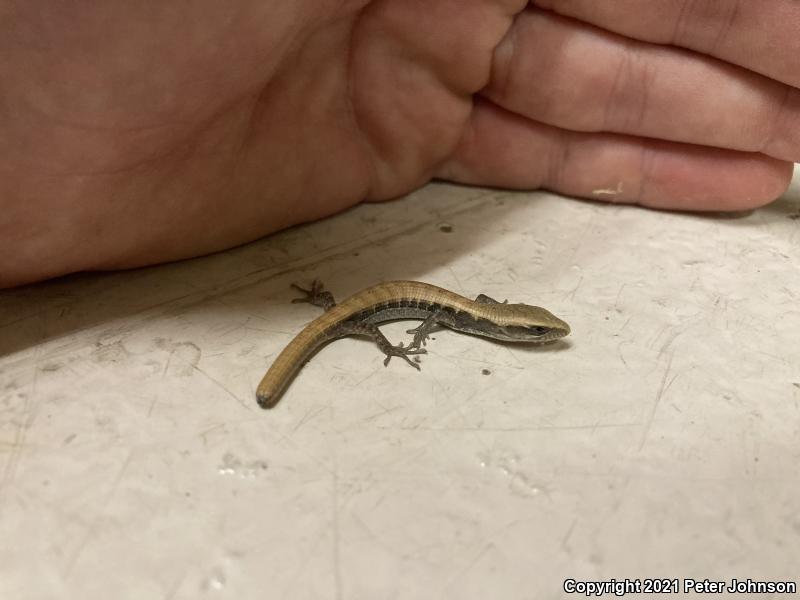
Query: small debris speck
{"x": 485, "y": 372}
{"x": 446, "y": 228}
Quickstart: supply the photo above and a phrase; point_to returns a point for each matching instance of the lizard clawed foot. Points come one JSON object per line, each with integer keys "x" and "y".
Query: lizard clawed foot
{"x": 403, "y": 352}
{"x": 316, "y": 288}
{"x": 317, "y": 295}
{"x": 421, "y": 335}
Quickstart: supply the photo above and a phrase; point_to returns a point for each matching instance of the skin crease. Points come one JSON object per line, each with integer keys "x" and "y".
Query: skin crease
{"x": 133, "y": 133}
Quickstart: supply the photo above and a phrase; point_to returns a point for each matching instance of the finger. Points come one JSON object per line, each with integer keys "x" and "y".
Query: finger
{"x": 762, "y": 36}
{"x": 564, "y": 73}
{"x": 506, "y": 150}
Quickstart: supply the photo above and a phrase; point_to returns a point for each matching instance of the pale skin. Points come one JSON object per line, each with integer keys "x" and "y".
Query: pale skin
{"x": 133, "y": 133}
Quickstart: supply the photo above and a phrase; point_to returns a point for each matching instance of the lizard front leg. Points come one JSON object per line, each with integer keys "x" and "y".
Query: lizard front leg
{"x": 422, "y": 333}
{"x": 371, "y": 330}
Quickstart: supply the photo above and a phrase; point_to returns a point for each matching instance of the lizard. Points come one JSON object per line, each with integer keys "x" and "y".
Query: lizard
{"x": 360, "y": 314}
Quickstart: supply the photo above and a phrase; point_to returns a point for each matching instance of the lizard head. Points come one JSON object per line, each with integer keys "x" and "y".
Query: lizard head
{"x": 526, "y": 323}
{"x": 520, "y": 323}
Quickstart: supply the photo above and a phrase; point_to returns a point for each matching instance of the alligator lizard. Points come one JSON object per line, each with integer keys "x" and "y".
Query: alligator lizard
{"x": 361, "y": 313}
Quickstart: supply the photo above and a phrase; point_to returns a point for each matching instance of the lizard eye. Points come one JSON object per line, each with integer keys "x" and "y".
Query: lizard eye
{"x": 530, "y": 333}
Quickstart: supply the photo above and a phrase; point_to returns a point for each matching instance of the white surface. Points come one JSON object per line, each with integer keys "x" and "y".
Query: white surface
{"x": 662, "y": 441}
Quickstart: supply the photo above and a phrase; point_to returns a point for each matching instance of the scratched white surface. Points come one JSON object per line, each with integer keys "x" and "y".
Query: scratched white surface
{"x": 662, "y": 440}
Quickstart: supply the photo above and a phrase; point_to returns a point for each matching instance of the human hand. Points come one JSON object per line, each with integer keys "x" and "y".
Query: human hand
{"x": 688, "y": 105}
{"x": 139, "y": 132}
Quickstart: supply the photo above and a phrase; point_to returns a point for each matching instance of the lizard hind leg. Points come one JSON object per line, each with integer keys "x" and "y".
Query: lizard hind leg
{"x": 402, "y": 352}
{"x": 317, "y": 295}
